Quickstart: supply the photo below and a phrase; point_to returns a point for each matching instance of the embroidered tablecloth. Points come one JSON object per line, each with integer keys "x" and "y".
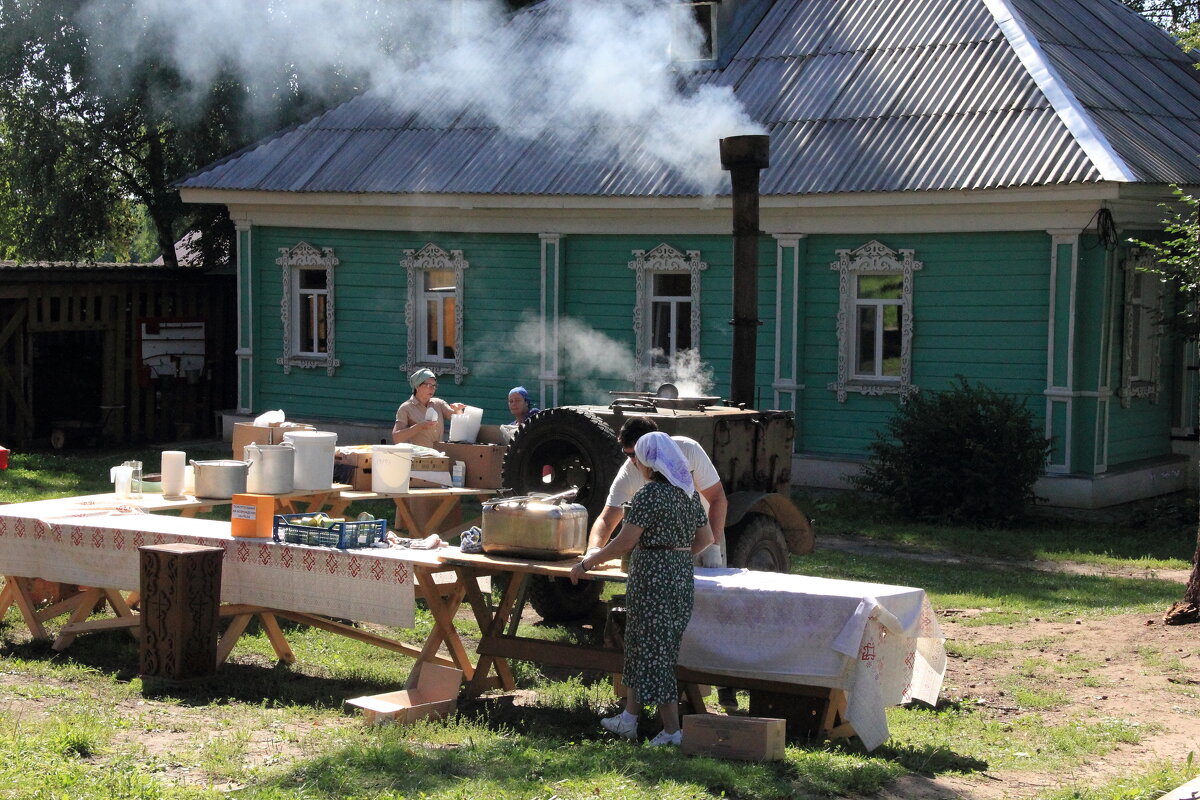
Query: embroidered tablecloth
{"x": 97, "y": 545}
{"x": 880, "y": 644}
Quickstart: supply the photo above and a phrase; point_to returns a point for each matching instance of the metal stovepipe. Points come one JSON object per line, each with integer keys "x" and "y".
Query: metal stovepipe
{"x": 744, "y": 157}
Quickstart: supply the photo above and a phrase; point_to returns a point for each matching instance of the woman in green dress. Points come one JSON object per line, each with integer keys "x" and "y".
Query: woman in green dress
{"x": 663, "y": 528}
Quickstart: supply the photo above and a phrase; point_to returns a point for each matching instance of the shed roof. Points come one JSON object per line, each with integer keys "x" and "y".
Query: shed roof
{"x": 909, "y": 95}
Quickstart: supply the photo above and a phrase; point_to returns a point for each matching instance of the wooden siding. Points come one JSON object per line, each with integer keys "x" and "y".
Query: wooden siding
{"x": 370, "y": 290}
{"x": 979, "y": 310}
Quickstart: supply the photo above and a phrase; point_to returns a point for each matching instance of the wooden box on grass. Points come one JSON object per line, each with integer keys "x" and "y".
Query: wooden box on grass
{"x": 434, "y": 696}
{"x": 740, "y": 738}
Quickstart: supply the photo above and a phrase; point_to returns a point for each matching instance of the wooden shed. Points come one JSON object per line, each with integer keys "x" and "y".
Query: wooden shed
{"x": 100, "y": 353}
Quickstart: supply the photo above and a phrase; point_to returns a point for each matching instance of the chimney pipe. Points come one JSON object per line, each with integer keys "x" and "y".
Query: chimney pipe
{"x": 744, "y": 157}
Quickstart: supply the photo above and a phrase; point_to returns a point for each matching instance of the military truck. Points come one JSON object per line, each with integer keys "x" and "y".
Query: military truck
{"x": 576, "y": 446}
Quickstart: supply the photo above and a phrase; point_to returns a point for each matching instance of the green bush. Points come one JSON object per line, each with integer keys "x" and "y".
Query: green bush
{"x": 967, "y": 455}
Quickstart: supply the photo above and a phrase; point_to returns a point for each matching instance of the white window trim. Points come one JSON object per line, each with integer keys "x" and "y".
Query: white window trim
{"x": 872, "y": 258}
{"x": 645, "y": 265}
{"x": 1150, "y": 385}
{"x": 291, "y": 261}
{"x": 432, "y": 257}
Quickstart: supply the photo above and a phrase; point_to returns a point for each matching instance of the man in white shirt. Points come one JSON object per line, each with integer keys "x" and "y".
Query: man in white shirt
{"x": 629, "y": 480}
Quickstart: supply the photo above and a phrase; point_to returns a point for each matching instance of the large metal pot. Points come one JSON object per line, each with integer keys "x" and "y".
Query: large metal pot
{"x": 220, "y": 480}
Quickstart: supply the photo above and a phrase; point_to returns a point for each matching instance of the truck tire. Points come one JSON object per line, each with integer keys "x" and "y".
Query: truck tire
{"x": 757, "y": 543}
{"x": 559, "y": 448}
{"x": 558, "y": 600}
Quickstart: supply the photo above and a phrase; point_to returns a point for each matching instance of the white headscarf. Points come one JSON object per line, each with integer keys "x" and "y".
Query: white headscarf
{"x": 659, "y": 452}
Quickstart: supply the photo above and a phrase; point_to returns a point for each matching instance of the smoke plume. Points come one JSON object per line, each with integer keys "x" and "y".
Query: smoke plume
{"x": 607, "y": 76}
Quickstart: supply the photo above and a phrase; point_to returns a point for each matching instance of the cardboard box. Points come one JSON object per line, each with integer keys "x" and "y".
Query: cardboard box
{"x": 245, "y": 433}
{"x": 434, "y": 696}
{"x": 740, "y": 738}
{"x": 484, "y": 463}
{"x": 252, "y": 516}
{"x": 357, "y": 466}
{"x": 430, "y": 471}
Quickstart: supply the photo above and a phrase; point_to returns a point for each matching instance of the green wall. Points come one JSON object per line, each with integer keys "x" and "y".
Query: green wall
{"x": 981, "y": 310}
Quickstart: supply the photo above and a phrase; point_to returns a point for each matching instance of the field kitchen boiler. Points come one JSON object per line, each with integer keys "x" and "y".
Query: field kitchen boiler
{"x": 576, "y": 447}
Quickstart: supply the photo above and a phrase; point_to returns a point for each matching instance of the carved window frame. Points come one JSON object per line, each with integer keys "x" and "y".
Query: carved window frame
{"x": 646, "y": 264}
{"x": 873, "y": 258}
{"x": 1141, "y": 324}
{"x": 416, "y": 263}
{"x": 291, "y": 260}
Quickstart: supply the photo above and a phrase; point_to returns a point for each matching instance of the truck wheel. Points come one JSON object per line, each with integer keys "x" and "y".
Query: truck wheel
{"x": 558, "y": 600}
{"x": 559, "y": 448}
{"x": 757, "y": 543}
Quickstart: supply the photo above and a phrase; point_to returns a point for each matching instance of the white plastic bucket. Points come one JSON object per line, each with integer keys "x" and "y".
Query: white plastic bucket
{"x": 390, "y": 467}
{"x": 272, "y": 468}
{"x": 313, "y": 460}
{"x": 464, "y": 427}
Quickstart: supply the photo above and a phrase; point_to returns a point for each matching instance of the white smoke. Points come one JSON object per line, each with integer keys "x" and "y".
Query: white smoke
{"x": 606, "y": 79}
{"x": 598, "y": 364}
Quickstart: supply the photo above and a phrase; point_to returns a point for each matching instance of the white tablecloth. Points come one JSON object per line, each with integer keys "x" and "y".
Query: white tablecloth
{"x": 48, "y": 539}
{"x": 880, "y": 644}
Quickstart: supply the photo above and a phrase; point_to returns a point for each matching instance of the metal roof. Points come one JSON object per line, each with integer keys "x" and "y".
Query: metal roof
{"x": 856, "y": 96}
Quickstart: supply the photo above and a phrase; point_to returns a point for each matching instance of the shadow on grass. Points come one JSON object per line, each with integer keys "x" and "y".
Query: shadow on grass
{"x": 999, "y": 588}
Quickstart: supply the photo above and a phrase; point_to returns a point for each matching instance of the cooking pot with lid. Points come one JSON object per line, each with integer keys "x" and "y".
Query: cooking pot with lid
{"x": 220, "y": 480}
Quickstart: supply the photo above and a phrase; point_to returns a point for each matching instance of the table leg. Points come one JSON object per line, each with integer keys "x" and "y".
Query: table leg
{"x": 237, "y": 626}
{"x": 87, "y": 602}
{"x": 443, "y": 610}
{"x": 283, "y": 650}
{"x": 403, "y": 514}
{"x": 19, "y": 594}
{"x": 491, "y": 624}
{"x": 445, "y": 506}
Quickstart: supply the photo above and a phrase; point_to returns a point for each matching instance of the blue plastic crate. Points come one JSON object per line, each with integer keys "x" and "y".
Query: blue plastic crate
{"x": 347, "y": 535}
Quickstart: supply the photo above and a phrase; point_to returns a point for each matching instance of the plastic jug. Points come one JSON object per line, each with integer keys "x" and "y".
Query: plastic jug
{"x": 127, "y": 480}
{"x": 464, "y": 427}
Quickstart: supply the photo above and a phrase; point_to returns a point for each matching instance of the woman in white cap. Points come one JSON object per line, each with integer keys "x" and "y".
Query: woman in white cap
{"x": 421, "y": 418}
{"x": 664, "y": 526}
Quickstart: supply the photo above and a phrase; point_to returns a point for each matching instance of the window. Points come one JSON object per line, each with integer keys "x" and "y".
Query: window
{"x": 1142, "y": 335}
{"x": 875, "y": 323}
{"x": 694, "y": 36}
{"x": 307, "y": 307}
{"x": 434, "y": 310}
{"x": 666, "y": 314}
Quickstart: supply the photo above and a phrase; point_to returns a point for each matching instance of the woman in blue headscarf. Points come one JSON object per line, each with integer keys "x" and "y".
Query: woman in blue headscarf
{"x": 519, "y": 405}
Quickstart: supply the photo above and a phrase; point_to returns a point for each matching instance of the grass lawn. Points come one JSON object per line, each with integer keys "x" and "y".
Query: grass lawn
{"x": 81, "y": 724}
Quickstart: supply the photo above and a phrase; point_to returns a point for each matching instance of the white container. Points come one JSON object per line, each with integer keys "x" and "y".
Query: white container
{"x": 314, "y": 459}
{"x": 122, "y": 480}
{"x": 464, "y": 427}
{"x": 390, "y": 468}
{"x": 272, "y": 468}
{"x": 458, "y": 475}
{"x": 173, "y": 468}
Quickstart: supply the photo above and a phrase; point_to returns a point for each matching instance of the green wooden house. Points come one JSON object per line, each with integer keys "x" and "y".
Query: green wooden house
{"x": 952, "y": 191}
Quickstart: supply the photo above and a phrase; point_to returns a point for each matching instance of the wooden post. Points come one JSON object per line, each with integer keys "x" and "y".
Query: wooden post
{"x": 180, "y": 597}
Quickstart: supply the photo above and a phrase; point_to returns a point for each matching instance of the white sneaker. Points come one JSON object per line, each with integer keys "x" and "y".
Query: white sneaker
{"x": 625, "y": 728}
{"x": 664, "y": 738}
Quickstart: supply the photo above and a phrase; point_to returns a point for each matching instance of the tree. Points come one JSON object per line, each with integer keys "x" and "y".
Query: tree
{"x": 1177, "y": 261}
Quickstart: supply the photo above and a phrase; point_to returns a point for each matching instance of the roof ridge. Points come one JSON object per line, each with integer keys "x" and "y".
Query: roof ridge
{"x": 1070, "y": 111}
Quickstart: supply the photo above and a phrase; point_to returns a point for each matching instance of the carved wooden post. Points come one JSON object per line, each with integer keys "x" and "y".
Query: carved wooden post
{"x": 180, "y": 597}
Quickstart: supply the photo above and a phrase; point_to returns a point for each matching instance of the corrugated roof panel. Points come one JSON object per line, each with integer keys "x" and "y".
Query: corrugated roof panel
{"x": 858, "y": 96}
{"x": 390, "y": 169}
{"x": 821, "y": 82}
{"x": 795, "y": 29}
{"x": 483, "y": 170}
{"x": 343, "y": 170}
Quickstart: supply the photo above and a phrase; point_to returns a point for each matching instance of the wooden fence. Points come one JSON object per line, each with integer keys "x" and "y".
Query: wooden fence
{"x": 73, "y": 362}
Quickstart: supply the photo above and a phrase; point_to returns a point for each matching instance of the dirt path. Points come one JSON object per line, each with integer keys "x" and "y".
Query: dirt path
{"x": 1137, "y": 670}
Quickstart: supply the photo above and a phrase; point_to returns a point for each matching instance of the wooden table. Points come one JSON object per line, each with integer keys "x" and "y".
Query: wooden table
{"x": 448, "y": 497}
{"x": 296, "y": 502}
